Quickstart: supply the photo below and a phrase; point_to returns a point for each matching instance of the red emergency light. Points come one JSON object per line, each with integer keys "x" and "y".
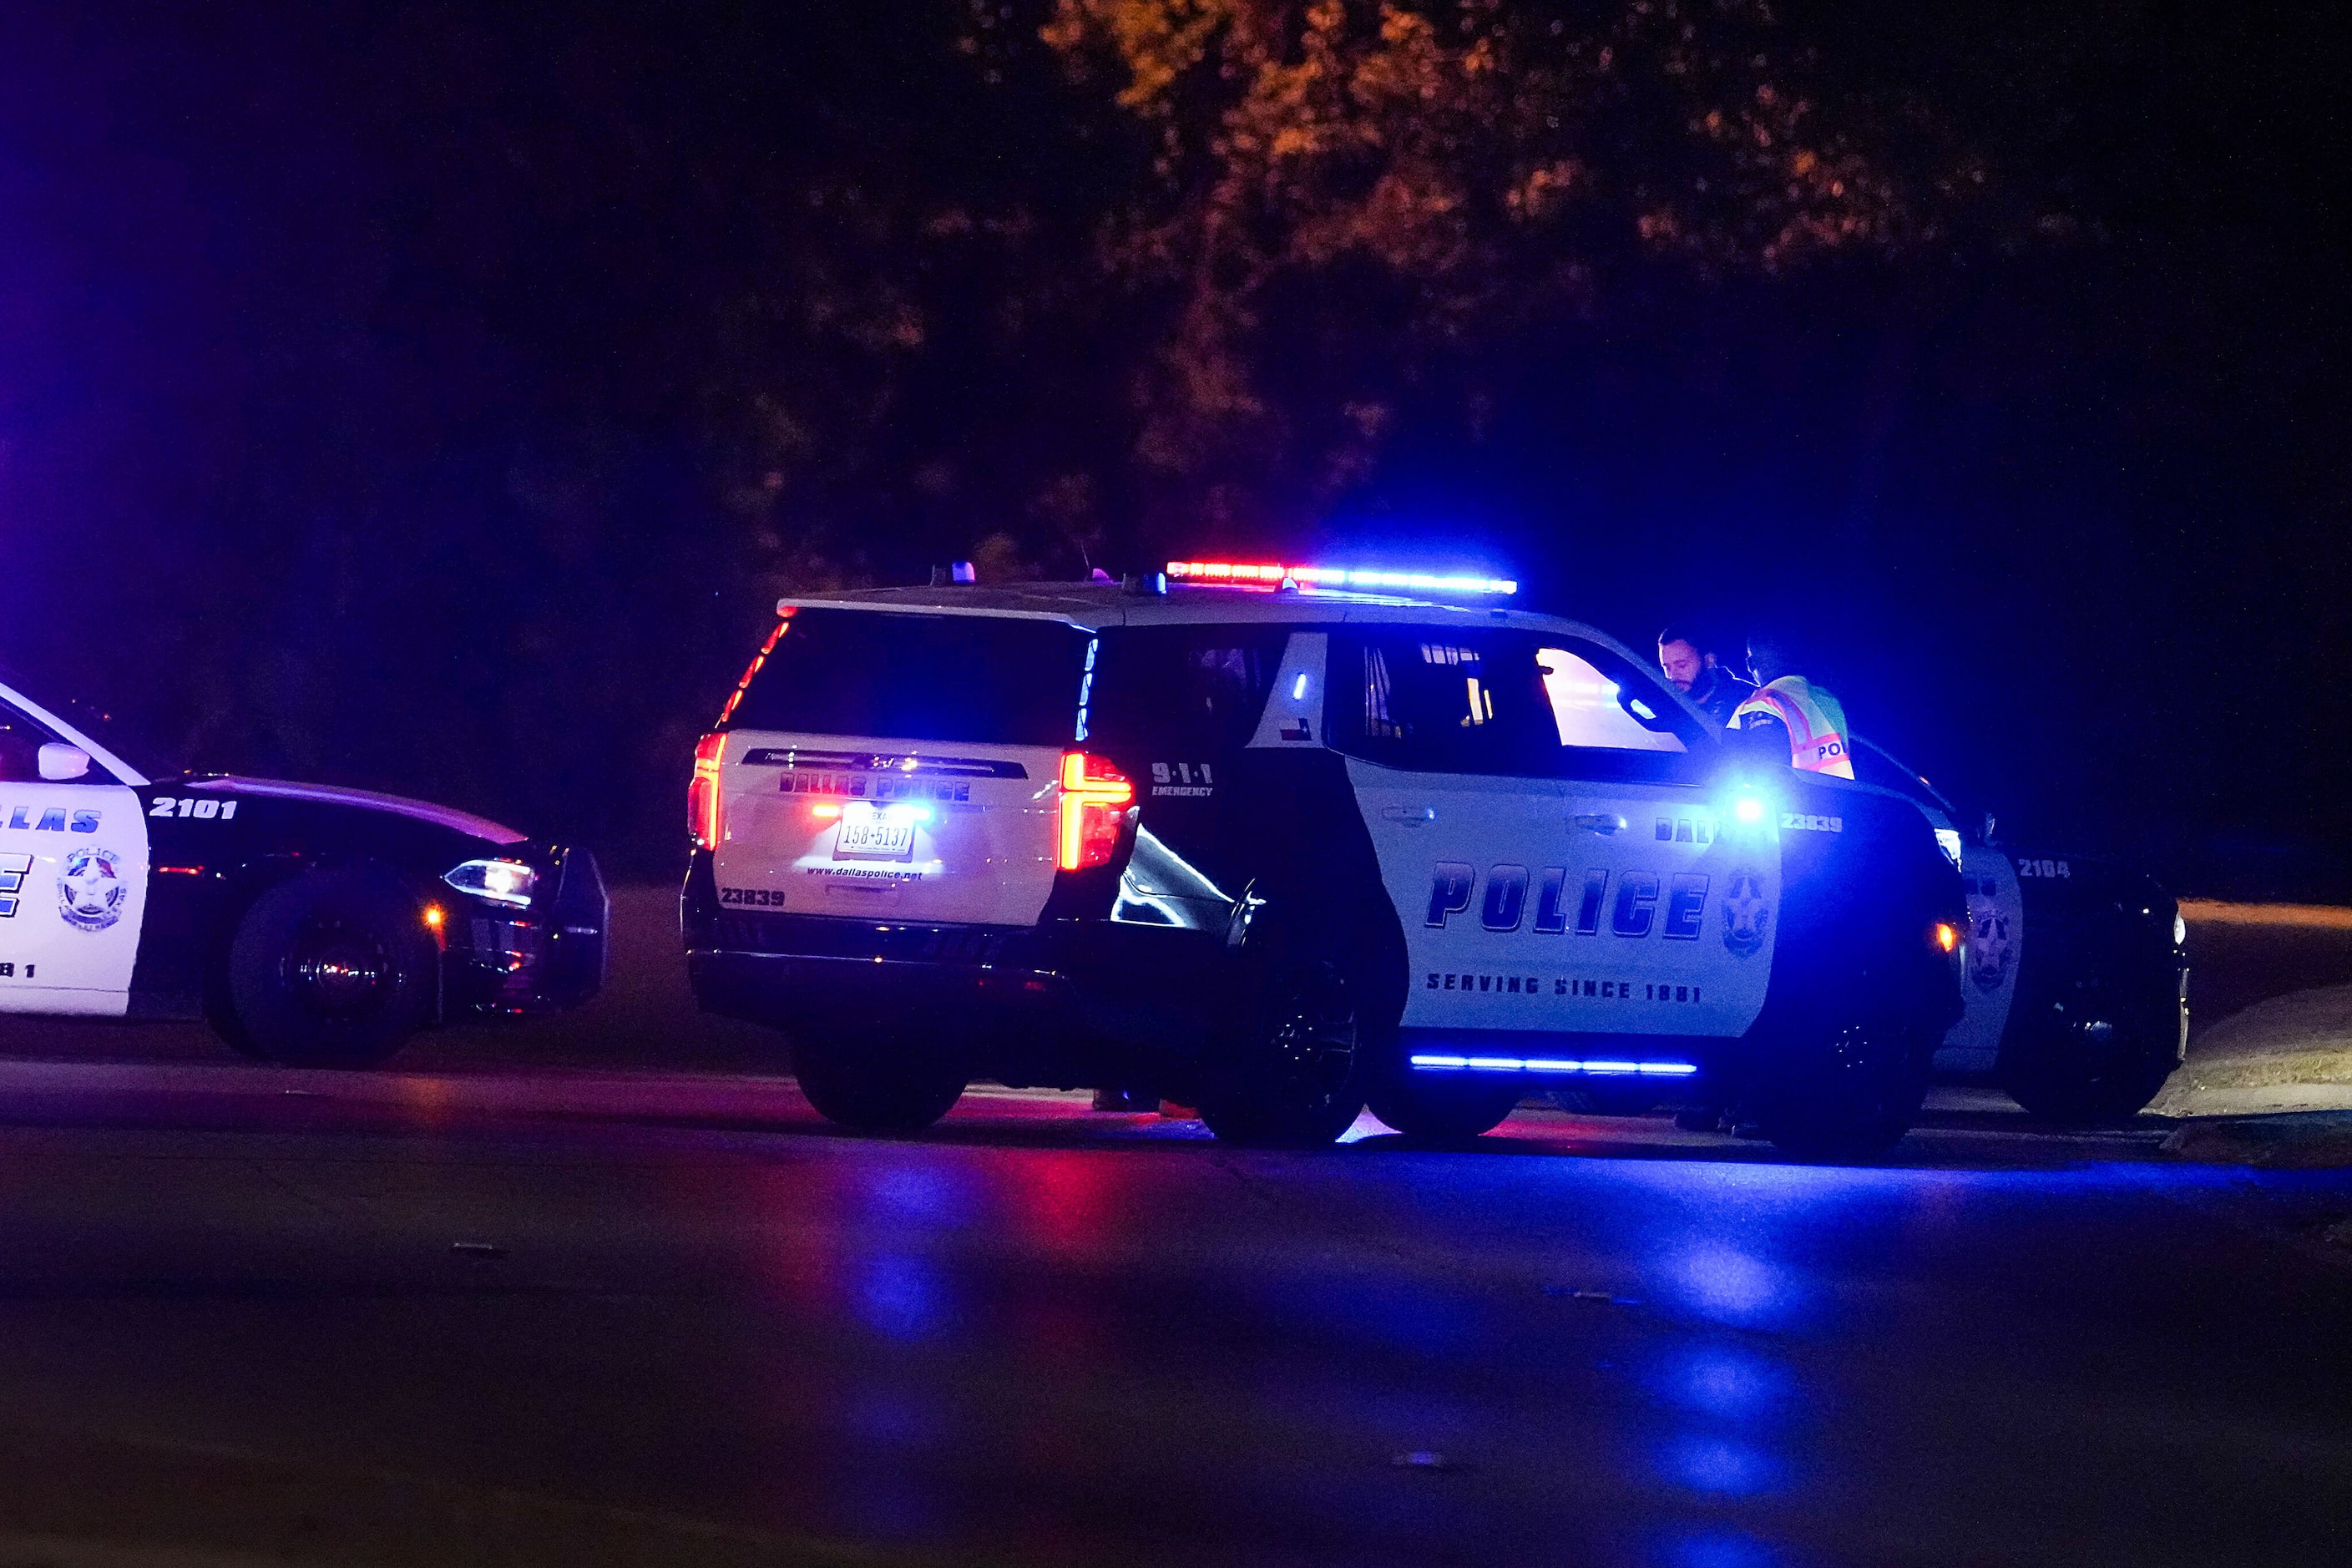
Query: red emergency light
{"x": 1277, "y": 575}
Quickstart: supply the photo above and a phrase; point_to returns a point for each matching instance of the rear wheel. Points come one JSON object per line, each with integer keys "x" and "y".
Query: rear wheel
{"x": 876, "y": 1084}
{"x": 1848, "y": 1095}
{"x": 331, "y": 969}
{"x": 1292, "y": 1080}
{"x": 1443, "y": 1106}
{"x": 1604, "y": 1096}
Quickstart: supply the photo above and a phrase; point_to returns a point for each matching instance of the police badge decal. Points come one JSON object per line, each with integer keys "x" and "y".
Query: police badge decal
{"x": 1989, "y": 943}
{"x": 91, "y": 891}
{"x": 1746, "y": 913}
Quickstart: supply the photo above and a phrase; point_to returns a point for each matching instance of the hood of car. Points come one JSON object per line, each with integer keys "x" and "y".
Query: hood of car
{"x": 464, "y": 822}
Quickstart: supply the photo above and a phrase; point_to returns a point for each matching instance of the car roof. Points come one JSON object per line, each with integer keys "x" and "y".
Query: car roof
{"x": 1095, "y": 606}
{"x": 1091, "y": 606}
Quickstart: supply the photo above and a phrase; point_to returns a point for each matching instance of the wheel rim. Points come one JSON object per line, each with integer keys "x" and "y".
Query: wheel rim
{"x": 342, "y": 970}
{"x": 1858, "y": 1066}
{"x": 1314, "y": 1039}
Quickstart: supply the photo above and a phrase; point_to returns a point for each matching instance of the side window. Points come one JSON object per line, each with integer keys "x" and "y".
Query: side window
{"x": 1443, "y": 699}
{"x": 1591, "y": 710}
{"x": 1182, "y": 694}
{"x": 1503, "y": 702}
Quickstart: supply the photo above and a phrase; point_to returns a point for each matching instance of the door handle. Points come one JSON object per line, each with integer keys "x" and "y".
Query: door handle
{"x": 1410, "y": 816}
{"x": 1600, "y": 822}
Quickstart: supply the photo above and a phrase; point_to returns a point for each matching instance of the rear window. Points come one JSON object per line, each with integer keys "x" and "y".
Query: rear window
{"x": 994, "y": 680}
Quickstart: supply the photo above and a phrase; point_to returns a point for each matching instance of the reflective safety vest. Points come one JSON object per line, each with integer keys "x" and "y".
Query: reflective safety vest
{"x": 1815, "y": 721}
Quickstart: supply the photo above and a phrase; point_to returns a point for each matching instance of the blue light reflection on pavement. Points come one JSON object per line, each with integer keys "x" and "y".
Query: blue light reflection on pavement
{"x": 1720, "y": 1466}
{"x": 1727, "y": 1382}
{"x": 1729, "y": 1286}
{"x": 1714, "y": 1548}
{"x": 930, "y": 1193}
{"x": 901, "y": 1294}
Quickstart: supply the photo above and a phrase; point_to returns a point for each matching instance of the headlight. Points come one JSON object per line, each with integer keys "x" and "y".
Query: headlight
{"x": 2179, "y": 929}
{"x": 1947, "y": 840}
{"x": 500, "y": 881}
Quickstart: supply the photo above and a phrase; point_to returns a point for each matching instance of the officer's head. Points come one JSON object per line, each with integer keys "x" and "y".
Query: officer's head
{"x": 1681, "y": 656}
{"x": 1770, "y": 656}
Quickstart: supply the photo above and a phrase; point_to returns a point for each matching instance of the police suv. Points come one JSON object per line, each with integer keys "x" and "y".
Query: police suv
{"x": 2077, "y": 969}
{"x": 1275, "y": 841}
{"x": 309, "y": 925}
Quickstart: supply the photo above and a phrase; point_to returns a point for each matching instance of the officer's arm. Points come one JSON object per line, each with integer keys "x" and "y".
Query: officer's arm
{"x": 1756, "y": 719}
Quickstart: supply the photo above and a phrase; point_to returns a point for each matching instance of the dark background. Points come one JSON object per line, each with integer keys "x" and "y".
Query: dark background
{"x": 434, "y": 398}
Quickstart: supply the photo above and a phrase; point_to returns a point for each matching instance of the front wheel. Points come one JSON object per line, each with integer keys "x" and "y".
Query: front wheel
{"x": 876, "y": 1084}
{"x": 1443, "y": 1106}
{"x": 1292, "y": 1080}
{"x": 2088, "y": 1069}
{"x": 1851, "y": 1095}
{"x": 331, "y": 968}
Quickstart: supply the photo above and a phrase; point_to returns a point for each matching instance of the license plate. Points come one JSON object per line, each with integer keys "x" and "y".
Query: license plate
{"x": 869, "y": 832}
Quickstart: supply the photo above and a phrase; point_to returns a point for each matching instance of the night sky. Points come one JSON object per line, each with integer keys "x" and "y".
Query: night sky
{"x": 432, "y": 397}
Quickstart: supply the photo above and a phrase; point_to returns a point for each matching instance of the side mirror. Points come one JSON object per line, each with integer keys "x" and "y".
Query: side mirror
{"x": 60, "y": 762}
{"x": 1984, "y": 829}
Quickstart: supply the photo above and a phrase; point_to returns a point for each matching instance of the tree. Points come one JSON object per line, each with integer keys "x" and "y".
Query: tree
{"x": 1347, "y": 198}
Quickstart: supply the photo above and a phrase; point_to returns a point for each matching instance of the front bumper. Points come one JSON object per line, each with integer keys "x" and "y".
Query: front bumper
{"x": 544, "y": 959}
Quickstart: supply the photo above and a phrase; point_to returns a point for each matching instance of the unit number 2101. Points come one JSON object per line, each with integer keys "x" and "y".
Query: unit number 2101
{"x": 190, "y": 806}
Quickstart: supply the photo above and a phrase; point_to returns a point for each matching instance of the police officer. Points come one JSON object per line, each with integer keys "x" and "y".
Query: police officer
{"x": 1692, "y": 666}
{"x": 1812, "y": 720}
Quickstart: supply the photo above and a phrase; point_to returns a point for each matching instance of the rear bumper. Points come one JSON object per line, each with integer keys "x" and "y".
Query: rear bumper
{"x": 866, "y": 993}
{"x": 792, "y": 971}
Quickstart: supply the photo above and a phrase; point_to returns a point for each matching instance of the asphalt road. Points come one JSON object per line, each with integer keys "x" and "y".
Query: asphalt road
{"x": 517, "y": 1303}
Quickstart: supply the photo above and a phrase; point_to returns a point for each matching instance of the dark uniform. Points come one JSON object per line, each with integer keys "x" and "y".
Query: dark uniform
{"x": 1718, "y": 693}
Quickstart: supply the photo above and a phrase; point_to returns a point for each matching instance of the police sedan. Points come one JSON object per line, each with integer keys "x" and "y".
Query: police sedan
{"x": 2076, "y": 974}
{"x": 308, "y": 924}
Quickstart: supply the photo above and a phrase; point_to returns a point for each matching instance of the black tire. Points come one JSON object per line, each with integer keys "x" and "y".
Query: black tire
{"x": 2099, "y": 1049}
{"x": 1293, "y": 1080}
{"x": 877, "y": 1084}
{"x": 1443, "y": 1107}
{"x": 329, "y": 969}
{"x": 2084, "y": 1069}
{"x": 1608, "y": 1097}
{"x": 1850, "y": 1093}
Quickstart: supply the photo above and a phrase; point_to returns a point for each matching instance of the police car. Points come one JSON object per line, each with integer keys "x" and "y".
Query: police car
{"x": 309, "y": 925}
{"x": 1276, "y": 840}
{"x": 2077, "y": 969}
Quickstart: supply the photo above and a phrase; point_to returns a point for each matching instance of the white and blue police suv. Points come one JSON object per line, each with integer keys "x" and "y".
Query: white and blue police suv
{"x": 1276, "y": 842}
{"x": 2077, "y": 969}
{"x": 309, "y": 924}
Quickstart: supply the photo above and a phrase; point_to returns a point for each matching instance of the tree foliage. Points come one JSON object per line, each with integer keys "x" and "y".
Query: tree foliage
{"x": 1343, "y": 193}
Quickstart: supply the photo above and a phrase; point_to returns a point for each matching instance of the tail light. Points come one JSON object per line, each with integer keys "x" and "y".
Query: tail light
{"x": 702, "y": 793}
{"x": 1095, "y": 799}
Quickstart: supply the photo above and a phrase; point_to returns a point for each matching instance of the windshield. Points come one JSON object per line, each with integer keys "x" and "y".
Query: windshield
{"x": 1874, "y": 764}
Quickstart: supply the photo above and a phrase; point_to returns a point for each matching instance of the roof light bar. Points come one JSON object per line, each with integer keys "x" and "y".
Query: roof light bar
{"x": 1276, "y": 574}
